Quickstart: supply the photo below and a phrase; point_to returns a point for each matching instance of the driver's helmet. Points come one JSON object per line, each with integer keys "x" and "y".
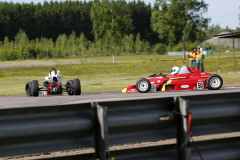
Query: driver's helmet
{"x": 175, "y": 70}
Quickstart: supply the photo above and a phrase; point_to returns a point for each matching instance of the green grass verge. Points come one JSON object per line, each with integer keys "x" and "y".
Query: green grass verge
{"x": 100, "y": 77}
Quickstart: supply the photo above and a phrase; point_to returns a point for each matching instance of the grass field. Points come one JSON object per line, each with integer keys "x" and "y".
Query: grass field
{"x": 98, "y": 77}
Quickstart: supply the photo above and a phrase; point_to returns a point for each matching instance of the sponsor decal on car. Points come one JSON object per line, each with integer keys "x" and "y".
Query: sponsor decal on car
{"x": 158, "y": 81}
{"x": 202, "y": 73}
{"x": 184, "y": 86}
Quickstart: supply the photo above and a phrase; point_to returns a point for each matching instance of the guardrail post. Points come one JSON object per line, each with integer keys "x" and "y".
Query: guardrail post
{"x": 101, "y": 132}
{"x": 184, "y": 151}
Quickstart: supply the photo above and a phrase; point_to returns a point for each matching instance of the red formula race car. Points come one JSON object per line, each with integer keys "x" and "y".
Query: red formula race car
{"x": 184, "y": 78}
{"x": 52, "y": 85}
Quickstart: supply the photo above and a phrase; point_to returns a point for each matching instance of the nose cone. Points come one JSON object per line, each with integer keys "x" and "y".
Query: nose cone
{"x": 124, "y": 90}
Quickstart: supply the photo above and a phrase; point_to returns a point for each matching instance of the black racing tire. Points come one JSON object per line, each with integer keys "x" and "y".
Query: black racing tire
{"x": 143, "y": 85}
{"x": 70, "y": 87}
{"x": 28, "y": 89}
{"x": 35, "y": 88}
{"x": 77, "y": 87}
{"x": 214, "y": 82}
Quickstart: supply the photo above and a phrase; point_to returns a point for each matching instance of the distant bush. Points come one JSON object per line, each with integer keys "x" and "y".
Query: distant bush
{"x": 159, "y": 48}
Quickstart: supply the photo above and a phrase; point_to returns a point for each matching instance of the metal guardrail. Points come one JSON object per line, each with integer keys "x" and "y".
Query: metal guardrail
{"x": 104, "y": 124}
{"x": 140, "y": 120}
{"x": 218, "y": 113}
{"x": 221, "y": 149}
{"x": 45, "y": 129}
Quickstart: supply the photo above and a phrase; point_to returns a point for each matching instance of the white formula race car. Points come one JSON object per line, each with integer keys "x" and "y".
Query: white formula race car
{"x": 52, "y": 85}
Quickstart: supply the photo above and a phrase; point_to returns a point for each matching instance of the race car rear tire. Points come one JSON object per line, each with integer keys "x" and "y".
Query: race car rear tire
{"x": 143, "y": 85}
{"x": 28, "y": 89}
{"x": 70, "y": 87}
{"x": 77, "y": 87}
{"x": 214, "y": 82}
{"x": 35, "y": 88}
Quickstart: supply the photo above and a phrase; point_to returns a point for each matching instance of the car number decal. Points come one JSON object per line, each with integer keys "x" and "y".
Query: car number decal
{"x": 200, "y": 85}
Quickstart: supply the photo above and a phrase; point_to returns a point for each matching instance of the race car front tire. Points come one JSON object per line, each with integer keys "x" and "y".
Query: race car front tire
{"x": 70, "y": 87}
{"x": 77, "y": 87}
{"x": 214, "y": 82}
{"x": 143, "y": 85}
{"x": 28, "y": 89}
{"x": 35, "y": 88}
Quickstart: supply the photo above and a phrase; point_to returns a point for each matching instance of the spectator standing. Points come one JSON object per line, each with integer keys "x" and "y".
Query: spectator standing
{"x": 192, "y": 58}
{"x": 199, "y": 59}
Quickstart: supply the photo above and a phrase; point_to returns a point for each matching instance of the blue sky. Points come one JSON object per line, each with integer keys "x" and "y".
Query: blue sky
{"x": 222, "y": 12}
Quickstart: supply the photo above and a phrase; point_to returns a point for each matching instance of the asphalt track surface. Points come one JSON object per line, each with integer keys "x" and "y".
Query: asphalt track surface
{"x": 60, "y": 63}
{"x": 24, "y": 101}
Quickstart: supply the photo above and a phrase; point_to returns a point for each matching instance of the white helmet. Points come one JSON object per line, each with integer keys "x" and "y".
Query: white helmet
{"x": 175, "y": 70}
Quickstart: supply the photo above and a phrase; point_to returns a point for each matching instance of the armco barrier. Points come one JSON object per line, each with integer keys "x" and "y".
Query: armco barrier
{"x": 45, "y": 129}
{"x": 140, "y": 120}
{"x": 219, "y": 113}
{"x": 98, "y": 125}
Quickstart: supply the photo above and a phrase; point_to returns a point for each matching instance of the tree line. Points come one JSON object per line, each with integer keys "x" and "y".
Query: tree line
{"x": 75, "y": 28}
{"x": 65, "y": 46}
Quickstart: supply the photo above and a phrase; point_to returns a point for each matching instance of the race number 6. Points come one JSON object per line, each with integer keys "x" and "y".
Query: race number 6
{"x": 200, "y": 85}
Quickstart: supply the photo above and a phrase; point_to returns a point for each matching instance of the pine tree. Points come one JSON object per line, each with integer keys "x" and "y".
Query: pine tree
{"x": 146, "y": 47}
{"x": 5, "y": 49}
{"x": 128, "y": 43}
{"x": 138, "y": 43}
{"x": 21, "y": 43}
{"x": 83, "y": 44}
